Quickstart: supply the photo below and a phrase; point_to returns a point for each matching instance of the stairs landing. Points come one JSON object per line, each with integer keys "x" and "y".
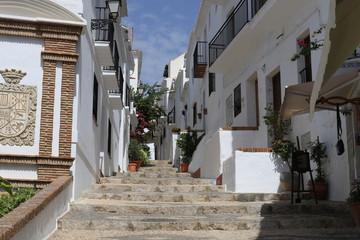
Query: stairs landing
{"x": 160, "y": 203}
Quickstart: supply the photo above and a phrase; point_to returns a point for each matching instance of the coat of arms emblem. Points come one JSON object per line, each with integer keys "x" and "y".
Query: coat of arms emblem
{"x": 17, "y": 110}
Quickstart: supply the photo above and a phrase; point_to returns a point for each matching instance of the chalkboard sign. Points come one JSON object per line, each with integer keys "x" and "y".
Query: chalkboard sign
{"x": 300, "y": 161}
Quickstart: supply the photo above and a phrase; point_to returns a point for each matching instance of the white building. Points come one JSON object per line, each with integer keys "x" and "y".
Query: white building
{"x": 75, "y": 109}
{"x": 238, "y": 62}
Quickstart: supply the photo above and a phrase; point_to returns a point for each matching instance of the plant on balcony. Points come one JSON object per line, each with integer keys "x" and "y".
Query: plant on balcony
{"x": 305, "y": 48}
{"x": 354, "y": 201}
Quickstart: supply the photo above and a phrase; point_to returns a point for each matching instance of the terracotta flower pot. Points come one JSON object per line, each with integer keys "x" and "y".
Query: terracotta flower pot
{"x": 355, "y": 212}
{"x": 321, "y": 190}
{"x": 184, "y": 167}
{"x": 132, "y": 167}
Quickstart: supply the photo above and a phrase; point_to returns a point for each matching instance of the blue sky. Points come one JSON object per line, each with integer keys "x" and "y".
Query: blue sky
{"x": 161, "y": 30}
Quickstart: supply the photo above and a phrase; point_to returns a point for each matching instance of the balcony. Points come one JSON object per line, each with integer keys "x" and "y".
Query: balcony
{"x": 111, "y": 73}
{"x": 171, "y": 116}
{"x": 115, "y": 99}
{"x": 103, "y": 32}
{"x": 200, "y": 59}
{"x": 232, "y": 26}
{"x": 306, "y": 74}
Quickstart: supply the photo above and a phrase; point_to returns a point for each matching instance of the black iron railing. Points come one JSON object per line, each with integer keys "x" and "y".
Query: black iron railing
{"x": 120, "y": 80}
{"x": 355, "y": 54}
{"x": 256, "y": 5}
{"x": 236, "y": 21}
{"x": 200, "y": 56}
{"x": 305, "y": 74}
{"x": 232, "y": 26}
{"x": 128, "y": 96}
{"x": 103, "y": 25}
{"x": 171, "y": 116}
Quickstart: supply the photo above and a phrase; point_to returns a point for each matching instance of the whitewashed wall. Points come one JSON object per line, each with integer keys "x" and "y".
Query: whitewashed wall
{"x": 45, "y": 222}
{"x": 251, "y": 173}
{"x": 24, "y": 54}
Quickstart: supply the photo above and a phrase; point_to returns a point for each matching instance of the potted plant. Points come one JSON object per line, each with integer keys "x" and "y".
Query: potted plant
{"x": 176, "y": 130}
{"x": 283, "y": 148}
{"x": 199, "y": 115}
{"x": 318, "y": 156}
{"x": 205, "y": 111}
{"x": 137, "y": 154}
{"x": 354, "y": 201}
{"x": 187, "y": 142}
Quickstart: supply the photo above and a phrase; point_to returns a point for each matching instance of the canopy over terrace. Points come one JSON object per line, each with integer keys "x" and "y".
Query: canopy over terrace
{"x": 337, "y": 90}
{"x": 342, "y": 36}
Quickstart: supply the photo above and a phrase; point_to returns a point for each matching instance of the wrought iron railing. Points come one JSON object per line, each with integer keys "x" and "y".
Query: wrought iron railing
{"x": 236, "y": 21}
{"x": 256, "y": 5}
{"x": 232, "y": 26}
{"x": 171, "y": 116}
{"x": 305, "y": 74}
{"x": 128, "y": 96}
{"x": 103, "y": 25}
{"x": 200, "y": 56}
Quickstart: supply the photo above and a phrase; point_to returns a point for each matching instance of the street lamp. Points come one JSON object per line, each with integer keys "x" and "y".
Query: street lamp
{"x": 141, "y": 89}
{"x": 113, "y": 6}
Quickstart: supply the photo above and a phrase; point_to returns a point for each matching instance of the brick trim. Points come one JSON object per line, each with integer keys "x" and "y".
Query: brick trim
{"x": 47, "y": 108}
{"x": 255, "y": 149}
{"x": 49, "y": 168}
{"x": 14, "y": 221}
{"x": 66, "y": 111}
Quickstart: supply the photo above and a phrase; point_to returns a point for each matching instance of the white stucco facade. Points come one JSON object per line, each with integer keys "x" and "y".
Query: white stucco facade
{"x": 100, "y": 131}
{"x": 245, "y": 68}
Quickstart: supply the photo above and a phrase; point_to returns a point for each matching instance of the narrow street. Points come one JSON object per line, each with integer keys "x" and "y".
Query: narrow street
{"x": 159, "y": 203}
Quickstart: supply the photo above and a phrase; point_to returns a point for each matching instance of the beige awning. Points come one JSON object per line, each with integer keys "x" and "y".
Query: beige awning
{"x": 296, "y": 99}
{"x": 342, "y": 36}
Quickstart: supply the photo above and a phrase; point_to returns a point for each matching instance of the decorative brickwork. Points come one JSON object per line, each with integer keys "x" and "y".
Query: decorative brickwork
{"x": 47, "y": 109}
{"x": 255, "y": 149}
{"x": 66, "y": 110}
{"x": 59, "y": 46}
{"x": 49, "y": 168}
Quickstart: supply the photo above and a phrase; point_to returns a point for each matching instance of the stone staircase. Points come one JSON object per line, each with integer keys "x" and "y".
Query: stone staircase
{"x": 159, "y": 203}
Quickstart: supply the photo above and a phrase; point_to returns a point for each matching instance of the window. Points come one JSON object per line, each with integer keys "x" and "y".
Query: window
{"x": 305, "y": 73}
{"x": 95, "y": 98}
{"x": 212, "y": 85}
{"x": 237, "y": 100}
{"x": 109, "y": 138}
{"x": 194, "y": 114}
{"x": 276, "y": 83}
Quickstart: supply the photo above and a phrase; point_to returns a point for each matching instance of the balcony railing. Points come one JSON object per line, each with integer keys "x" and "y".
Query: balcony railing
{"x": 103, "y": 25}
{"x": 305, "y": 74}
{"x": 232, "y": 26}
{"x": 128, "y": 96}
{"x": 171, "y": 116}
{"x": 200, "y": 59}
{"x": 256, "y": 5}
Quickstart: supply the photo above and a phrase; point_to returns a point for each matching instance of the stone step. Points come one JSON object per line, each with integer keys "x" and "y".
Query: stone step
{"x": 160, "y": 163}
{"x": 129, "y": 222}
{"x": 150, "y": 188}
{"x": 153, "y": 175}
{"x": 204, "y": 208}
{"x": 183, "y": 197}
{"x": 169, "y": 169}
{"x": 159, "y": 181}
{"x": 258, "y": 234}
